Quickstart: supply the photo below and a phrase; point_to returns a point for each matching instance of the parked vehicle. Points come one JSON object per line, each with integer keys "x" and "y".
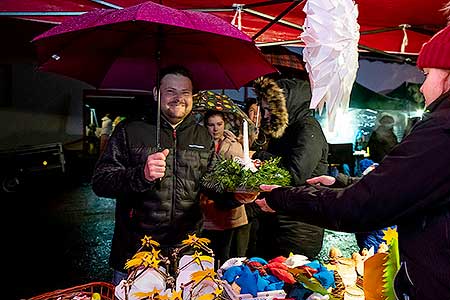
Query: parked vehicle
{"x": 21, "y": 163}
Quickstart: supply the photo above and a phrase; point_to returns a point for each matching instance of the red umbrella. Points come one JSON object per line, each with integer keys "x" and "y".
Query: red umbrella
{"x": 126, "y": 48}
{"x": 111, "y": 48}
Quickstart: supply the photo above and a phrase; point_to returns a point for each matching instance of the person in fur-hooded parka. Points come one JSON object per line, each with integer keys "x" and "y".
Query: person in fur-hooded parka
{"x": 297, "y": 137}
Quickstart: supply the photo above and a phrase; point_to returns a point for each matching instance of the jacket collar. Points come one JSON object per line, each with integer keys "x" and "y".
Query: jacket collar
{"x": 440, "y": 103}
{"x": 186, "y": 122}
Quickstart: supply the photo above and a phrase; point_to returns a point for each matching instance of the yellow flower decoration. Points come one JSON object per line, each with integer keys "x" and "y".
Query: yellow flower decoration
{"x": 207, "y": 297}
{"x": 147, "y": 241}
{"x": 218, "y": 291}
{"x": 155, "y": 262}
{"x": 197, "y": 257}
{"x": 176, "y": 295}
{"x": 143, "y": 258}
{"x": 390, "y": 234}
{"x": 203, "y": 274}
{"x": 196, "y": 242}
{"x": 149, "y": 295}
{"x": 155, "y": 252}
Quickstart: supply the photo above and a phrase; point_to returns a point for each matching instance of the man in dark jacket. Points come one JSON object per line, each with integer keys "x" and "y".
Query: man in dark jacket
{"x": 410, "y": 188}
{"x": 297, "y": 137}
{"x": 156, "y": 191}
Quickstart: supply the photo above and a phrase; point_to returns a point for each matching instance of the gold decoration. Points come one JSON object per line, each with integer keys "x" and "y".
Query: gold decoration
{"x": 198, "y": 258}
{"x": 196, "y": 242}
{"x": 152, "y": 295}
{"x": 176, "y": 295}
{"x": 203, "y": 274}
{"x": 147, "y": 241}
{"x": 143, "y": 258}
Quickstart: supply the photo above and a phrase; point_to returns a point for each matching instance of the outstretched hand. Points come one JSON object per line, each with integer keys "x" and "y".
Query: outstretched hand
{"x": 264, "y": 206}
{"x": 323, "y": 179}
{"x": 155, "y": 167}
{"x": 262, "y": 203}
{"x": 268, "y": 187}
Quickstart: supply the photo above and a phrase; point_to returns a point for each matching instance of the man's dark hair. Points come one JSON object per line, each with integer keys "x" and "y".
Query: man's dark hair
{"x": 176, "y": 70}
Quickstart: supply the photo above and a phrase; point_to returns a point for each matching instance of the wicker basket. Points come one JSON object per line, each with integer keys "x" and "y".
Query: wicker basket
{"x": 105, "y": 289}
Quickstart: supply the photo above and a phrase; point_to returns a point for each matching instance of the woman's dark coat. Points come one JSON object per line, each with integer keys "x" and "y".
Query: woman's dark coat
{"x": 303, "y": 149}
{"x": 410, "y": 189}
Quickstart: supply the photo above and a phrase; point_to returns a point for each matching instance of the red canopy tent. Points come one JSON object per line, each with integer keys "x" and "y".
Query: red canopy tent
{"x": 384, "y": 23}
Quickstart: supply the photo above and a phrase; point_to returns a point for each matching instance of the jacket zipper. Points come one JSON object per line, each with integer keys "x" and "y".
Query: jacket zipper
{"x": 174, "y": 170}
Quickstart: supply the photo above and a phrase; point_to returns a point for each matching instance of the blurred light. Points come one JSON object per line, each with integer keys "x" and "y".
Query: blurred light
{"x": 418, "y": 113}
{"x": 45, "y": 163}
{"x": 344, "y": 130}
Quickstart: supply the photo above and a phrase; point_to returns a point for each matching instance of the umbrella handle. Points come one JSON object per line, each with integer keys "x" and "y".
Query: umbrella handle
{"x": 158, "y": 118}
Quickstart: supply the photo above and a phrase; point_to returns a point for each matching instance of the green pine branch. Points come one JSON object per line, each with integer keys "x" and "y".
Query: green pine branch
{"x": 230, "y": 176}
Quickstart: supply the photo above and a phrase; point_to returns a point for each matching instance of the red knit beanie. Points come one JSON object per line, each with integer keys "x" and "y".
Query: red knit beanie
{"x": 436, "y": 52}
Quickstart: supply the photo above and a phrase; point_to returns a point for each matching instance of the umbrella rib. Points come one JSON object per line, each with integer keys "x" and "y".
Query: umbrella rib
{"x": 414, "y": 28}
{"x": 268, "y": 3}
{"x": 287, "y": 42}
{"x": 107, "y": 4}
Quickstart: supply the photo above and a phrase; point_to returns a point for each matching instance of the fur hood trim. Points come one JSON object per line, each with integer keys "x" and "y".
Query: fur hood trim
{"x": 267, "y": 88}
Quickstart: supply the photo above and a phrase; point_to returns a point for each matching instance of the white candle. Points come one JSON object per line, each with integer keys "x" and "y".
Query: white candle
{"x": 246, "y": 149}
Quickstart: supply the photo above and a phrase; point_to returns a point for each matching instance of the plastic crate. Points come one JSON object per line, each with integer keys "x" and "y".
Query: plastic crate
{"x": 105, "y": 289}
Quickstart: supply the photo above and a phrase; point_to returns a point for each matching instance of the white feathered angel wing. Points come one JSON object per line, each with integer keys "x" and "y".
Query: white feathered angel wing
{"x": 331, "y": 35}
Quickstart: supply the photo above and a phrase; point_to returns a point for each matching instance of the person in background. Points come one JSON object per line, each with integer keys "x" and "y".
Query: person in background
{"x": 253, "y": 111}
{"x": 257, "y": 140}
{"x": 257, "y": 143}
{"x": 382, "y": 139}
{"x": 106, "y": 131}
{"x": 156, "y": 190}
{"x": 410, "y": 188}
{"x": 297, "y": 137}
{"x": 370, "y": 239}
{"x": 225, "y": 228}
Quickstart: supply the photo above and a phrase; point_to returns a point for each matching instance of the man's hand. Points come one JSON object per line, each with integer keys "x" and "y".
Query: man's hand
{"x": 155, "y": 167}
{"x": 324, "y": 180}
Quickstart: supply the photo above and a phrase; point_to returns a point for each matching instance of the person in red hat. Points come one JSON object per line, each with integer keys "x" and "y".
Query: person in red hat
{"x": 410, "y": 188}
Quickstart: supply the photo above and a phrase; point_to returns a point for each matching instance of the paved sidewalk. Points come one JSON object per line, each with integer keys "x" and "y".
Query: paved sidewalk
{"x": 59, "y": 238}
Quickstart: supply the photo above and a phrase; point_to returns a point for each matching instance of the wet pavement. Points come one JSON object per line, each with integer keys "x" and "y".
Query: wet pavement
{"x": 57, "y": 234}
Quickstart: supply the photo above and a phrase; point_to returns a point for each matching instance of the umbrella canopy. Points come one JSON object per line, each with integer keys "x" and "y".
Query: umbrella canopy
{"x": 208, "y": 100}
{"x": 111, "y": 48}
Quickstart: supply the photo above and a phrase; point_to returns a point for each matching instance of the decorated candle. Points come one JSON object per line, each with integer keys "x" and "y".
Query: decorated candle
{"x": 245, "y": 142}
